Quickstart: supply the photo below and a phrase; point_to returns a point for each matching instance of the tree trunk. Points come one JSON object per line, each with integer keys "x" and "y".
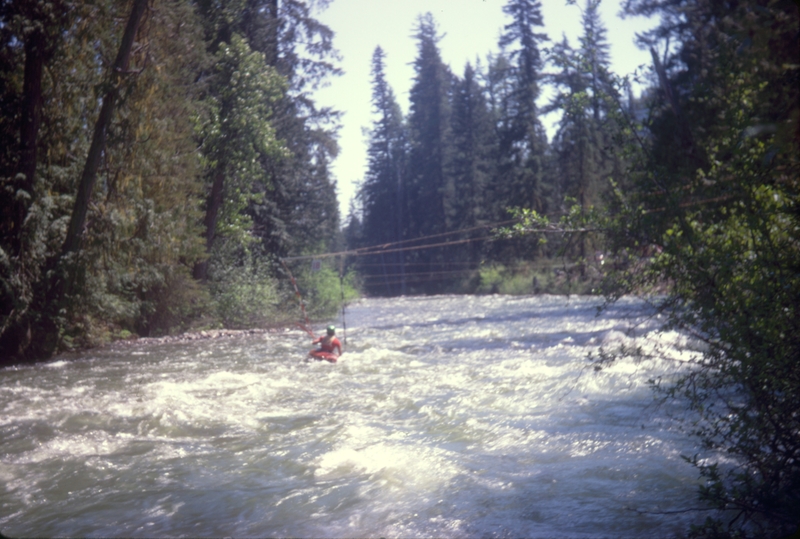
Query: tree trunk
{"x": 35, "y": 51}
{"x": 213, "y": 205}
{"x": 273, "y": 44}
{"x": 685, "y": 129}
{"x": 50, "y": 298}
{"x": 86, "y": 185}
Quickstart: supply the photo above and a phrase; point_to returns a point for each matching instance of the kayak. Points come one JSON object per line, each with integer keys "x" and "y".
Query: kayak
{"x": 321, "y": 354}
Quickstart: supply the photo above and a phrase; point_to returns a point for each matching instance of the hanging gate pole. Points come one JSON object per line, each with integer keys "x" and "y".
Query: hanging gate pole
{"x": 341, "y": 288}
{"x": 307, "y": 327}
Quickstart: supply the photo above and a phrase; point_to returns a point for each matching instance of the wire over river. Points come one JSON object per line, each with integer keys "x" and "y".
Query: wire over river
{"x": 392, "y": 247}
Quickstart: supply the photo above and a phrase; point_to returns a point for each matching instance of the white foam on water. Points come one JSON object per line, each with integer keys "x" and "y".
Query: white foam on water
{"x": 408, "y": 465}
{"x": 74, "y": 447}
{"x": 446, "y": 416}
{"x": 56, "y": 364}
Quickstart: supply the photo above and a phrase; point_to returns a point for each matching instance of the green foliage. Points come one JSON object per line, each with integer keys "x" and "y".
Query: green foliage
{"x": 238, "y": 136}
{"x": 142, "y": 224}
{"x": 586, "y": 146}
{"x": 383, "y": 192}
{"x": 709, "y": 214}
{"x": 243, "y": 291}
{"x": 325, "y": 291}
{"x": 203, "y": 99}
{"x": 178, "y": 304}
{"x": 144, "y": 234}
{"x": 299, "y": 207}
{"x": 490, "y": 279}
{"x": 497, "y": 279}
{"x": 536, "y": 278}
{"x": 517, "y": 285}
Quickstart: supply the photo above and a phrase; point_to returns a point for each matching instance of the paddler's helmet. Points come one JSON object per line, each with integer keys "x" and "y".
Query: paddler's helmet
{"x": 331, "y": 330}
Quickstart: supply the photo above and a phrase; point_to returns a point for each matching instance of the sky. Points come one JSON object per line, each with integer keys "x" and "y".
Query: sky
{"x": 471, "y": 30}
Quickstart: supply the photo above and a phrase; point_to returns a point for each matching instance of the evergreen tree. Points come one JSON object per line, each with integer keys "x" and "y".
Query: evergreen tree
{"x": 296, "y": 210}
{"x": 594, "y": 52}
{"x": 499, "y": 87}
{"x": 523, "y": 141}
{"x": 474, "y": 154}
{"x": 353, "y": 230}
{"x": 584, "y": 141}
{"x": 431, "y": 193}
{"x": 382, "y": 194}
{"x": 571, "y": 134}
{"x": 299, "y": 211}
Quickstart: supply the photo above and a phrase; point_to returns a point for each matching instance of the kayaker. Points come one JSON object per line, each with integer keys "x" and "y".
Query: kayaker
{"x": 329, "y": 342}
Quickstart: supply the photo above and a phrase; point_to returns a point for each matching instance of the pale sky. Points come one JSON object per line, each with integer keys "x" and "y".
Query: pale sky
{"x": 471, "y": 30}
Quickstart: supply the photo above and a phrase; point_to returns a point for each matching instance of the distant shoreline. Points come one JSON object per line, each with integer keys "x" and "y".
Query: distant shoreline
{"x": 201, "y": 335}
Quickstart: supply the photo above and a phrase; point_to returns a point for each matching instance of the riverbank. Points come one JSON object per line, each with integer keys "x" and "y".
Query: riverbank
{"x": 187, "y": 337}
{"x": 201, "y": 335}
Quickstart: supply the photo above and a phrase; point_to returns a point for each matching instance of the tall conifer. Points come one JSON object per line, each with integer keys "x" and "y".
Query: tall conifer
{"x": 474, "y": 152}
{"x": 584, "y": 142}
{"x": 298, "y": 184}
{"x": 382, "y": 194}
{"x": 523, "y": 141}
{"x": 431, "y": 190}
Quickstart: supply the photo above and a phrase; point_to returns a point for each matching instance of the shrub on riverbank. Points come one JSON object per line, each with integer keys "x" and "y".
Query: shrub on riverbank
{"x": 243, "y": 296}
{"x": 529, "y": 278}
{"x": 323, "y": 292}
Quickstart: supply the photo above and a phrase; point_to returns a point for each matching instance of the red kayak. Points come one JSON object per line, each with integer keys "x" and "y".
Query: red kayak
{"x": 321, "y": 354}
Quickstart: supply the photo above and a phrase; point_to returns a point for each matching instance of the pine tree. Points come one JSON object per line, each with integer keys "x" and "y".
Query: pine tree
{"x": 499, "y": 85}
{"x": 237, "y": 140}
{"x": 299, "y": 211}
{"x": 595, "y": 55}
{"x": 431, "y": 194}
{"x": 353, "y": 230}
{"x": 523, "y": 141}
{"x": 296, "y": 208}
{"x": 474, "y": 157}
{"x": 584, "y": 141}
{"x": 383, "y": 194}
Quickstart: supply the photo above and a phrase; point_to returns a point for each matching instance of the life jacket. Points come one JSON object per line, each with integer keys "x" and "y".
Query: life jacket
{"x": 329, "y": 343}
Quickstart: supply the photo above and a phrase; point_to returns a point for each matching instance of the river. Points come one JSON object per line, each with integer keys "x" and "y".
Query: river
{"x": 448, "y": 416}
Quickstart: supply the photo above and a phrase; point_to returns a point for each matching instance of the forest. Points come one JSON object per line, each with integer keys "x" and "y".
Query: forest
{"x": 157, "y": 159}
{"x": 160, "y": 158}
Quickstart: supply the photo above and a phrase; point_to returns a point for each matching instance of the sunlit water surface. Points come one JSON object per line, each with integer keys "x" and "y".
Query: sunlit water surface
{"x": 447, "y": 416}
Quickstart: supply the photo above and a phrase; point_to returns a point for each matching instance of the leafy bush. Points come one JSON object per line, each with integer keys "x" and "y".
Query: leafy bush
{"x": 325, "y": 291}
{"x": 175, "y": 306}
{"x": 243, "y": 292}
{"x": 710, "y": 207}
{"x": 490, "y": 279}
{"x": 525, "y": 279}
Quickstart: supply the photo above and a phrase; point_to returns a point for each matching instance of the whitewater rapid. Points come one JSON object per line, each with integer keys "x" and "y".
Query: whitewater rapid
{"x": 448, "y": 416}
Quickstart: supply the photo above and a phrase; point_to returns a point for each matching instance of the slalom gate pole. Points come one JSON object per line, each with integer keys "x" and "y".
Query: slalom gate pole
{"x": 341, "y": 288}
{"x": 307, "y": 327}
